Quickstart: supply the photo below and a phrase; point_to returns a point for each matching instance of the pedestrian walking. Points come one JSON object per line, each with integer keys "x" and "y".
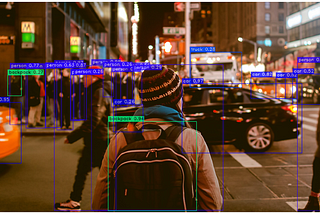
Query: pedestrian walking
{"x": 40, "y": 106}
{"x": 313, "y": 202}
{"x": 95, "y": 128}
{"x": 33, "y": 99}
{"x": 53, "y": 105}
{"x": 148, "y": 183}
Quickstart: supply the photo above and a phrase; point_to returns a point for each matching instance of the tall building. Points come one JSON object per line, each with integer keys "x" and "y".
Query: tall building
{"x": 201, "y": 30}
{"x": 303, "y": 26}
{"x": 260, "y": 22}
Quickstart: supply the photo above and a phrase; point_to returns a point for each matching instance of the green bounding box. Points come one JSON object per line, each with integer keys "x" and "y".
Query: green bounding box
{"x": 126, "y": 119}
{"x": 28, "y": 37}
{"x": 18, "y": 72}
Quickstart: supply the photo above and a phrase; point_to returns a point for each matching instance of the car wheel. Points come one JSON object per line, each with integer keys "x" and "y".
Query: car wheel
{"x": 258, "y": 137}
{"x": 315, "y": 98}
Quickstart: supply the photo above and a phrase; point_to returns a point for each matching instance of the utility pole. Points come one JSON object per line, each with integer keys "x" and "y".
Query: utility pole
{"x": 187, "y": 38}
{"x": 157, "y": 51}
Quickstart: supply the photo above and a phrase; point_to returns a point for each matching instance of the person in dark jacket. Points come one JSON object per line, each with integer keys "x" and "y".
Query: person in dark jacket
{"x": 33, "y": 99}
{"x": 64, "y": 85}
{"x": 313, "y": 202}
{"x": 95, "y": 128}
{"x": 52, "y": 87}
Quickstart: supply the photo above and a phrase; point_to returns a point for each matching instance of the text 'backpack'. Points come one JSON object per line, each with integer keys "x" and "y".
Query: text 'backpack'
{"x": 152, "y": 174}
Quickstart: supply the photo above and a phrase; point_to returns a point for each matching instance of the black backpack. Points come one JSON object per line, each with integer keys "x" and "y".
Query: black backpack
{"x": 153, "y": 175}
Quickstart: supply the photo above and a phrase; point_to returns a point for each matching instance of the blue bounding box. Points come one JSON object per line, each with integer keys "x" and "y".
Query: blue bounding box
{"x": 68, "y": 61}
{"x": 192, "y": 81}
{"x": 86, "y": 71}
{"x": 66, "y": 65}
{"x": 121, "y": 69}
{"x": 261, "y": 74}
{"x": 101, "y": 61}
{"x": 117, "y": 64}
{"x": 141, "y": 66}
{"x": 202, "y": 49}
{"x": 286, "y": 75}
{"x": 308, "y": 59}
{"x": 4, "y": 99}
{"x": 123, "y": 101}
{"x": 303, "y": 70}
{"x": 27, "y": 65}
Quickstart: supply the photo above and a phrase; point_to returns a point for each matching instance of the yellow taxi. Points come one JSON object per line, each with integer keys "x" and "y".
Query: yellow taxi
{"x": 9, "y": 132}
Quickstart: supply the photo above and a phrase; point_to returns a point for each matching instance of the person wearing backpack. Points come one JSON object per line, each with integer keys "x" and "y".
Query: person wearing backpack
{"x": 159, "y": 164}
{"x": 94, "y": 133}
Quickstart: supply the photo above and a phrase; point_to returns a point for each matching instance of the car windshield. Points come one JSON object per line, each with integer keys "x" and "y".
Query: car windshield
{"x": 214, "y": 67}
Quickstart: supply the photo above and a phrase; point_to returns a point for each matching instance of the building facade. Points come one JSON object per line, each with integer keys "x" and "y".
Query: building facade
{"x": 44, "y": 32}
{"x": 303, "y": 26}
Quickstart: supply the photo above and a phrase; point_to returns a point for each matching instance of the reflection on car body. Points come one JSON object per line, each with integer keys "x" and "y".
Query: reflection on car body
{"x": 9, "y": 132}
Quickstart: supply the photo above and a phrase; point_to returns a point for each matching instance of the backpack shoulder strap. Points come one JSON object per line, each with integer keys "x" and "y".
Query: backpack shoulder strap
{"x": 173, "y": 132}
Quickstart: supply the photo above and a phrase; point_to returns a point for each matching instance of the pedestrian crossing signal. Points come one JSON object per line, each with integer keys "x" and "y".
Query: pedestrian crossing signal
{"x": 27, "y": 27}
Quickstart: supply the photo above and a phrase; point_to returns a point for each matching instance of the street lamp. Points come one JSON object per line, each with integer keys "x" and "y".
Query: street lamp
{"x": 240, "y": 39}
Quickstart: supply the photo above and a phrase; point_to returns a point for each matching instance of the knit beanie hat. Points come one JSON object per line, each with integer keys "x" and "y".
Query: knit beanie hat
{"x": 160, "y": 87}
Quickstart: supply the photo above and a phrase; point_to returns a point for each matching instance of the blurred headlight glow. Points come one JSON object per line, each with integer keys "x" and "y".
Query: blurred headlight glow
{"x": 282, "y": 90}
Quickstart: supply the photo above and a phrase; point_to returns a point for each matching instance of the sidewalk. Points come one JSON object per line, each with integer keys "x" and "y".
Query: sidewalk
{"x": 49, "y": 130}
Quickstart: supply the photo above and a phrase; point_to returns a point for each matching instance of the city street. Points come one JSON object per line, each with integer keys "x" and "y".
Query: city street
{"x": 252, "y": 182}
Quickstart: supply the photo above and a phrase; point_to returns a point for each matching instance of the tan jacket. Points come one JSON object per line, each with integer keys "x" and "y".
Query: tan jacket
{"x": 209, "y": 196}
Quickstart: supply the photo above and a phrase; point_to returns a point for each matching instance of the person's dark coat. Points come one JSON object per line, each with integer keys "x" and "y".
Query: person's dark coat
{"x": 317, "y": 154}
{"x": 98, "y": 110}
{"x": 33, "y": 92}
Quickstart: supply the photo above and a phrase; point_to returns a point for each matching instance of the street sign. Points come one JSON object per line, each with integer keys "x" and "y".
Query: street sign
{"x": 180, "y": 6}
{"x": 174, "y": 31}
{"x": 195, "y": 6}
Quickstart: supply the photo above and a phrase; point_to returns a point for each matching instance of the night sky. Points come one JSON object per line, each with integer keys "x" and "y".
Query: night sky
{"x": 150, "y": 23}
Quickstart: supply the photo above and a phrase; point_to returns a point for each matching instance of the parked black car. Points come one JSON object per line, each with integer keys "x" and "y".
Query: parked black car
{"x": 248, "y": 119}
{"x": 309, "y": 87}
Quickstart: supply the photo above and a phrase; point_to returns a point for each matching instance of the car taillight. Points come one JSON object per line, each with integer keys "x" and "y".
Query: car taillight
{"x": 291, "y": 108}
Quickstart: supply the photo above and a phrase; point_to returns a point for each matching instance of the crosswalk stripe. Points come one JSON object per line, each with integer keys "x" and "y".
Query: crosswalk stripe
{"x": 309, "y": 120}
{"x": 310, "y": 128}
{"x": 245, "y": 160}
{"x": 314, "y": 115}
{"x": 293, "y": 204}
{"x": 310, "y": 109}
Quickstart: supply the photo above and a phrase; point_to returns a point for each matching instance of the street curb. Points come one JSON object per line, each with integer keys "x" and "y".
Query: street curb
{"x": 44, "y": 133}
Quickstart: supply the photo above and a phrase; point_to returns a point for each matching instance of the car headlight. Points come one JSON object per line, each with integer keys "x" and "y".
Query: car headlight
{"x": 293, "y": 89}
{"x": 304, "y": 89}
{"x": 282, "y": 90}
{"x": 260, "y": 90}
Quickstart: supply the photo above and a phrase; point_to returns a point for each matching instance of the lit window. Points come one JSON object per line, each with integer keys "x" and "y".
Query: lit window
{"x": 203, "y": 12}
{"x": 267, "y": 29}
{"x": 267, "y": 5}
{"x": 208, "y": 12}
{"x": 267, "y": 17}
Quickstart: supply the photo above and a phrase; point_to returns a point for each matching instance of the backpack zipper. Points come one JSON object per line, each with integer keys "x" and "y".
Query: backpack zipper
{"x": 170, "y": 160}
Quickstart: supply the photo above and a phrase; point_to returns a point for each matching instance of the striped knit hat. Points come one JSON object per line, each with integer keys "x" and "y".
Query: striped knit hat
{"x": 160, "y": 87}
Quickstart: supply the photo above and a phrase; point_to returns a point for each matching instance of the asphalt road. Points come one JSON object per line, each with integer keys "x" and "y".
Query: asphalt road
{"x": 271, "y": 182}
